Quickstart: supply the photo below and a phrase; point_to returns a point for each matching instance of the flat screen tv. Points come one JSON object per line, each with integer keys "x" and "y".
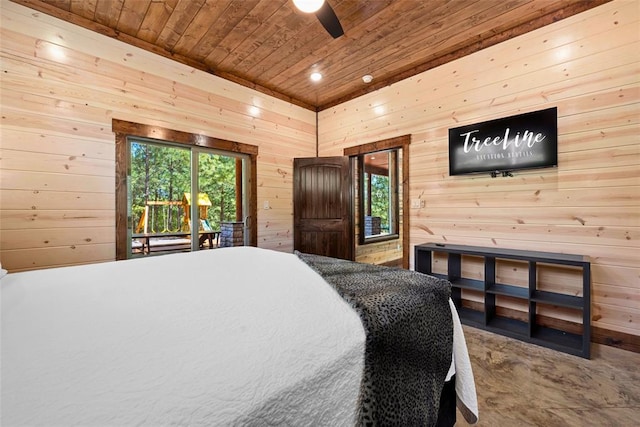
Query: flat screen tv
{"x": 525, "y": 141}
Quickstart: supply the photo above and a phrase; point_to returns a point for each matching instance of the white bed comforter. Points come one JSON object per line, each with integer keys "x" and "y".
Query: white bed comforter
{"x": 237, "y": 336}
{"x": 234, "y": 336}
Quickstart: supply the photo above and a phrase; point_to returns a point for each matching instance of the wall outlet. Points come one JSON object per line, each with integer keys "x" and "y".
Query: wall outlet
{"x": 417, "y": 203}
{"x": 266, "y": 205}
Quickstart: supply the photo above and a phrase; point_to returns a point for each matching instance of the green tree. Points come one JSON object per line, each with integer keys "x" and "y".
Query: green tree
{"x": 218, "y": 179}
{"x": 161, "y": 174}
{"x": 380, "y": 199}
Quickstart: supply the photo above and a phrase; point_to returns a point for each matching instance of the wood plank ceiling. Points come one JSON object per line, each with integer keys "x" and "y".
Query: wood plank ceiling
{"x": 272, "y": 47}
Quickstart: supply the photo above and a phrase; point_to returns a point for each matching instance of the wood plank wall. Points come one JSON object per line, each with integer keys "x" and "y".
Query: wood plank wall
{"x": 61, "y": 86}
{"x": 588, "y": 66}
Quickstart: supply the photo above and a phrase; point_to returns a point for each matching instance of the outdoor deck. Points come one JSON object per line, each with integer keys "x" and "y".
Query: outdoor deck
{"x": 159, "y": 243}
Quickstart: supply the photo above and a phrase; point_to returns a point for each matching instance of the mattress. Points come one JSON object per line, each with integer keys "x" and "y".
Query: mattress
{"x": 234, "y": 336}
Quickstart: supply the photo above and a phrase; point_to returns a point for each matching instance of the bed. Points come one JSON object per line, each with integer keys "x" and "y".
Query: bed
{"x": 234, "y": 336}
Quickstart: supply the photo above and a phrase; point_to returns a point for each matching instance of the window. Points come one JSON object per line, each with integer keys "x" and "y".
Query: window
{"x": 379, "y": 206}
{"x": 162, "y": 184}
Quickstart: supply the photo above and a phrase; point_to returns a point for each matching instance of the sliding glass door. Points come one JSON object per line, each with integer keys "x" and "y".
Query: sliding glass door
{"x": 179, "y": 198}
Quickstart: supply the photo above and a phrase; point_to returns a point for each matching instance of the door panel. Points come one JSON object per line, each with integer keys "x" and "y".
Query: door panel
{"x": 322, "y": 206}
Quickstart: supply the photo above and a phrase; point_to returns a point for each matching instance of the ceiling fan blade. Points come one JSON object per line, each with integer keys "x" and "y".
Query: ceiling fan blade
{"x": 329, "y": 20}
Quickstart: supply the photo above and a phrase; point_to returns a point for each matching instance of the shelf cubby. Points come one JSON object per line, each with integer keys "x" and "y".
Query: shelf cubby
{"x": 472, "y": 284}
{"x": 508, "y": 290}
{"x": 538, "y": 281}
{"x": 510, "y": 327}
{"x": 554, "y": 298}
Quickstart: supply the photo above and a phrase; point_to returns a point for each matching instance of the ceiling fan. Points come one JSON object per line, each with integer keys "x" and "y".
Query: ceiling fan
{"x": 325, "y": 14}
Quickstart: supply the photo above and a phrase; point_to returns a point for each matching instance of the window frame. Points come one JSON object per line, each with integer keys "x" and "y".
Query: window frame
{"x": 394, "y": 203}
{"x": 400, "y": 142}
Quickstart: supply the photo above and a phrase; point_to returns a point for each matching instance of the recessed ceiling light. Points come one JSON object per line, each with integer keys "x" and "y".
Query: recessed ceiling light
{"x": 308, "y": 6}
{"x": 367, "y": 78}
{"x": 316, "y": 77}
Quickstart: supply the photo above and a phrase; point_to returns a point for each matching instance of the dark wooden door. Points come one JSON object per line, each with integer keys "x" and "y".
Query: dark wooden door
{"x": 322, "y": 206}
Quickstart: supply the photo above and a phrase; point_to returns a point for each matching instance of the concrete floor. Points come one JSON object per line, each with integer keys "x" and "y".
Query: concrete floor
{"x": 521, "y": 384}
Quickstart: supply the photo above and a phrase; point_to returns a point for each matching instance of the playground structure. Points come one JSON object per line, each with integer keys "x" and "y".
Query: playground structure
{"x": 150, "y": 212}
{"x": 147, "y": 239}
{"x": 203, "y": 210}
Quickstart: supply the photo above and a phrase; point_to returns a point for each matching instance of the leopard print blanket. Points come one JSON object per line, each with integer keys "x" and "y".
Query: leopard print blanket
{"x": 409, "y": 338}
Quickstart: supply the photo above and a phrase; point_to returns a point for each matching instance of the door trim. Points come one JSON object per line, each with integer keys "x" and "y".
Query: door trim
{"x": 401, "y": 142}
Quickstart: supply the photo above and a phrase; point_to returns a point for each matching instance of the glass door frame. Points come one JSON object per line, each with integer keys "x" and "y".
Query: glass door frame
{"x": 195, "y": 181}
{"x": 124, "y": 130}
{"x": 161, "y": 144}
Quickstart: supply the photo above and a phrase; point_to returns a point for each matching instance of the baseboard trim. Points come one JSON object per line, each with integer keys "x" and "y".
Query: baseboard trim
{"x": 393, "y": 263}
{"x": 620, "y": 340}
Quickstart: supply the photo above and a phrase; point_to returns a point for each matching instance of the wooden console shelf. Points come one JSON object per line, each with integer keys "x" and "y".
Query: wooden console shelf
{"x": 531, "y": 295}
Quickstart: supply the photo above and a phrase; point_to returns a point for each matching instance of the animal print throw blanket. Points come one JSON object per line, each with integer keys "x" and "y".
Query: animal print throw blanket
{"x": 409, "y": 338}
